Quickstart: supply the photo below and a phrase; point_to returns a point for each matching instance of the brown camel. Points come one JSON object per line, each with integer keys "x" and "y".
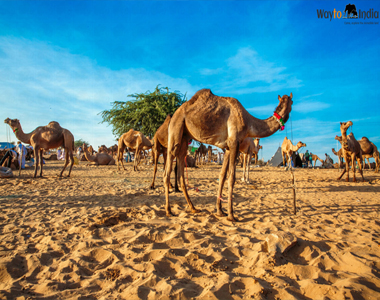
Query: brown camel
{"x": 369, "y": 150}
{"x": 247, "y": 148}
{"x": 314, "y": 158}
{"x": 160, "y": 144}
{"x": 200, "y": 155}
{"x": 224, "y": 123}
{"x": 351, "y": 150}
{"x": 255, "y": 153}
{"x": 340, "y": 157}
{"x": 287, "y": 149}
{"x": 99, "y": 158}
{"x": 44, "y": 138}
{"x": 133, "y": 140}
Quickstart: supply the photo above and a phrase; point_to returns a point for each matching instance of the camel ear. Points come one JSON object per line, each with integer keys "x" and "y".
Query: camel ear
{"x": 340, "y": 123}
{"x": 291, "y": 95}
{"x": 279, "y": 98}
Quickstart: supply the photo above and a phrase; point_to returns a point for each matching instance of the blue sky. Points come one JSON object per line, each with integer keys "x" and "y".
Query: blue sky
{"x": 68, "y": 60}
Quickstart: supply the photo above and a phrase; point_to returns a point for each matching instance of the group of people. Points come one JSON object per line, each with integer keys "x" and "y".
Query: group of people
{"x": 17, "y": 155}
{"x": 308, "y": 158}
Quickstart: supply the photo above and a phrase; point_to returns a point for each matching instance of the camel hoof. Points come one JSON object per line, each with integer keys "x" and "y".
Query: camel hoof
{"x": 221, "y": 214}
{"x": 231, "y": 218}
{"x": 195, "y": 211}
{"x": 177, "y": 191}
{"x": 354, "y": 180}
{"x": 152, "y": 187}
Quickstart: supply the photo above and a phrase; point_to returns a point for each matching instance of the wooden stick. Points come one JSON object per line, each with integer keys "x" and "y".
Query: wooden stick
{"x": 19, "y": 169}
{"x": 294, "y": 192}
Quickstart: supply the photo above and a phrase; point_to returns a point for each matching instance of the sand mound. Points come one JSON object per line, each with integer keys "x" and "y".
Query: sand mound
{"x": 103, "y": 234}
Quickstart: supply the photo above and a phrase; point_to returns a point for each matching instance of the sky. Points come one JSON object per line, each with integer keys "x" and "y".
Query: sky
{"x": 69, "y": 60}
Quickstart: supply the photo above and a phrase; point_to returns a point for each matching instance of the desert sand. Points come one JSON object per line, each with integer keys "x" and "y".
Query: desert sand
{"x": 103, "y": 234}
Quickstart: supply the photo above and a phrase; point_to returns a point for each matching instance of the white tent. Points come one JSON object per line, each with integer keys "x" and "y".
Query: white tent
{"x": 276, "y": 159}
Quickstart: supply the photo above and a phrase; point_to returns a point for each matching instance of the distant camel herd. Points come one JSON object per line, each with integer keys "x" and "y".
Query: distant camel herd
{"x": 207, "y": 118}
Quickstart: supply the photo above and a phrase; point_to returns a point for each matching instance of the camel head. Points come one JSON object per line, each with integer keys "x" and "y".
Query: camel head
{"x": 300, "y": 144}
{"x": 15, "y": 123}
{"x": 84, "y": 147}
{"x": 285, "y": 106}
{"x": 344, "y": 125}
{"x": 256, "y": 141}
{"x": 338, "y": 138}
{"x": 260, "y": 147}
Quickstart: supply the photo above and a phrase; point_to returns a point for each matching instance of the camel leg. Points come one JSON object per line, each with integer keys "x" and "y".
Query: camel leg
{"x": 72, "y": 162}
{"x": 369, "y": 165}
{"x": 36, "y": 155}
{"x": 243, "y": 162}
{"x": 289, "y": 161}
{"x": 176, "y": 189}
{"x": 248, "y": 165}
{"x": 66, "y": 162}
{"x": 234, "y": 151}
{"x": 222, "y": 178}
{"x": 168, "y": 170}
{"x": 377, "y": 163}
{"x": 180, "y": 162}
{"x": 341, "y": 175}
{"x": 137, "y": 156}
{"x": 41, "y": 161}
{"x": 353, "y": 160}
{"x": 155, "y": 155}
{"x": 360, "y": 166}
{"x": 283, "y": 159}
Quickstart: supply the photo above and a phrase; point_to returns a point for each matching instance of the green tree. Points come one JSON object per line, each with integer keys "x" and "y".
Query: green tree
{"x": 79, "y": 143}
{"x": 145, "y": 113}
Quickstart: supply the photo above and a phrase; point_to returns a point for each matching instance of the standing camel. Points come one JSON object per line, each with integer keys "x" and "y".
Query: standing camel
{"x": 351, "y": 151}
{"x": 44, "y": 138}
{"x": 224, "y": 123}
{"x": 255, "y": 153}
{"x": 340, "y": 157}
{"x": 369, "y": 150}
{"x": 100, "y": 158}
{"x": 314, "y": 159}
{"x": 160, "y": 144}
{"x": 247, "y": 148}
{"x": 134, "y": 140}
{"x": 287, "y": 149}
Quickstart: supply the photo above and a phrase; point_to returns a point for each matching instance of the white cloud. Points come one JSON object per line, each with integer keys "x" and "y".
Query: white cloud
{"x": 41, "y": 83}
{"x": 246, "y": 72}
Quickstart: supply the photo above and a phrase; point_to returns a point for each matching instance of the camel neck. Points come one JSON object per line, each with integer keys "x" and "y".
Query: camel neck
{"x": 21, "y": 136}
{"x": 88, "y": 156}
{"x": 262, "y": 128}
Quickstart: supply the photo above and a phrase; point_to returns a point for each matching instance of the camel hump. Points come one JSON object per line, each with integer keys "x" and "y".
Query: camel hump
{"x": 203, "y": 93}
{"x": 54, "y": 125}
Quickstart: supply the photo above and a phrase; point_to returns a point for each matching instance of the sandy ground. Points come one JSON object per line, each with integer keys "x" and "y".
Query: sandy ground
{"x": 103, "y": 234}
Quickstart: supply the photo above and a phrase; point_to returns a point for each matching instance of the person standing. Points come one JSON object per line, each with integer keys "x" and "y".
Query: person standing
{"x": 21, "y": 150}
{"x": 307, "y": 158}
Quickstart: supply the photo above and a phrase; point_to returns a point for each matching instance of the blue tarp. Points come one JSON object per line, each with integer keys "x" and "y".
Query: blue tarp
{"x": 5, "y": 145}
